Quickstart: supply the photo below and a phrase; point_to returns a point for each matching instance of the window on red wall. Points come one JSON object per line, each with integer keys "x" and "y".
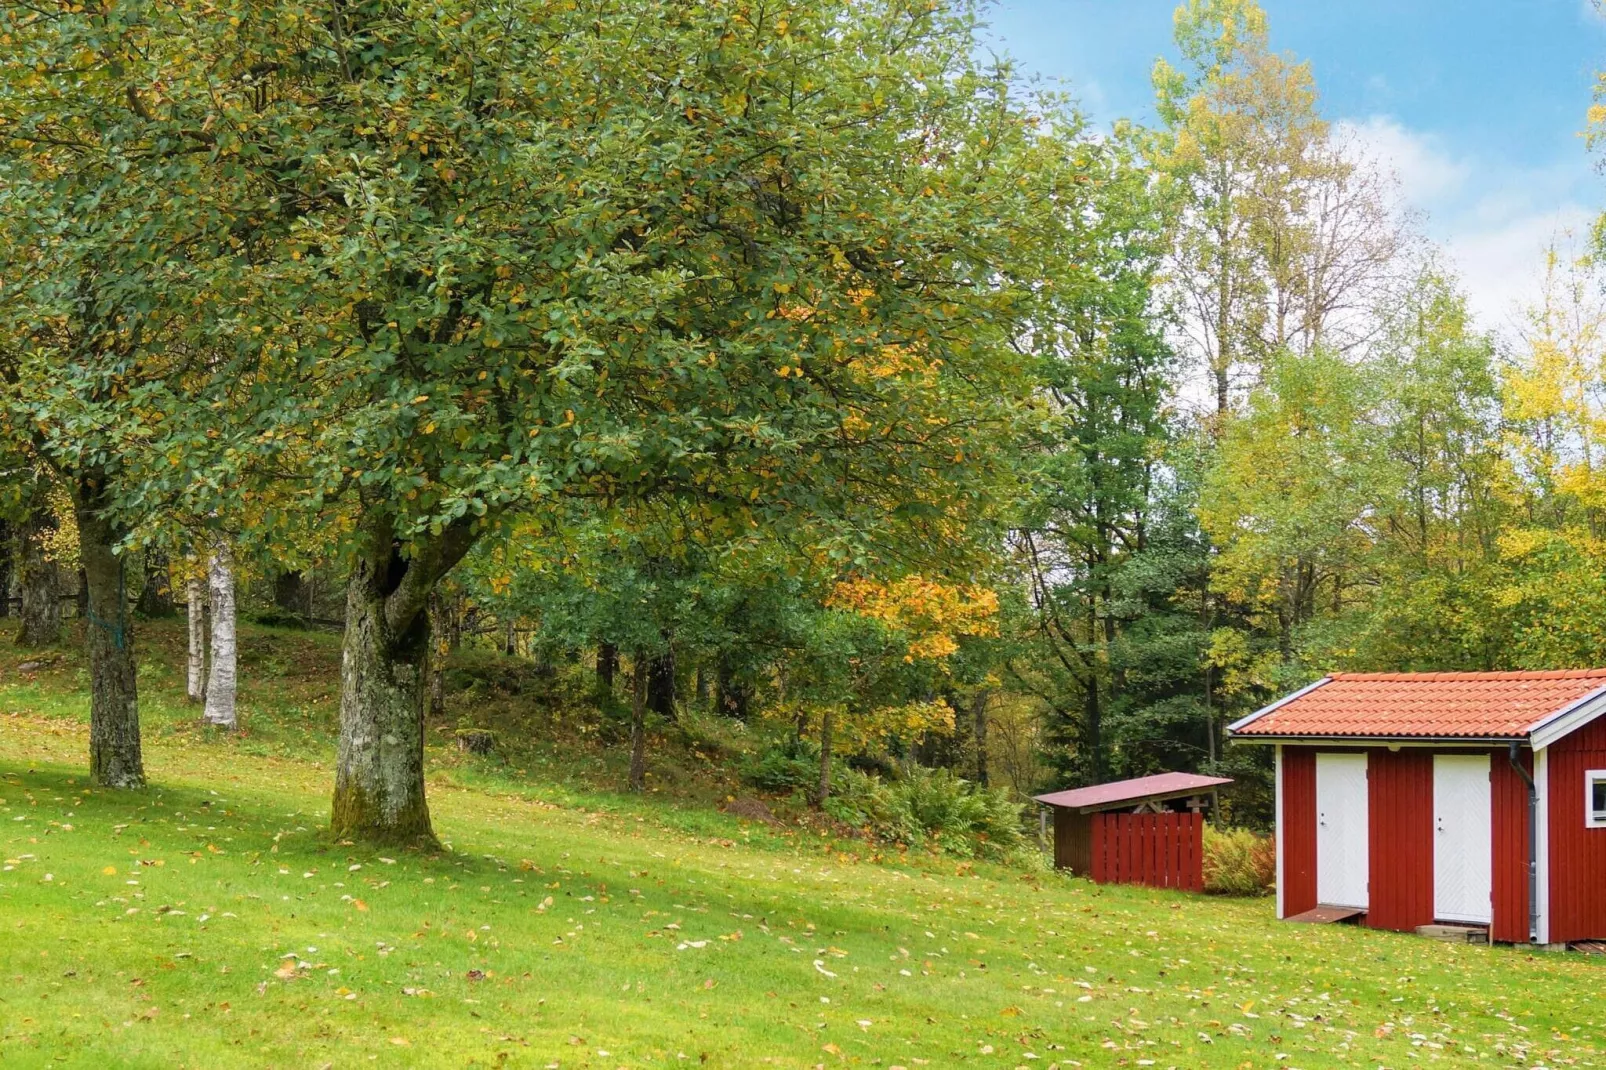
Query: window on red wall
{"x": 1595, "y": 798}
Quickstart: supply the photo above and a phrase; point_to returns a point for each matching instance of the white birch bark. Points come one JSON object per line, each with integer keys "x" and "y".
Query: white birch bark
{"x": 220, "y": 675}
{"x": 195, "y": 596}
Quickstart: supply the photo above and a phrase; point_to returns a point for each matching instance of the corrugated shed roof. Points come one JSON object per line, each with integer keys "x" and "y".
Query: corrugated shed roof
{"x": 1425, "y": 705}
{"x": 1161, "y": 785}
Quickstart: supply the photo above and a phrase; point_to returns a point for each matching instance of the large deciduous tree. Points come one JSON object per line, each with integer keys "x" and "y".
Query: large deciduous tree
{"x": 447, "y": 261}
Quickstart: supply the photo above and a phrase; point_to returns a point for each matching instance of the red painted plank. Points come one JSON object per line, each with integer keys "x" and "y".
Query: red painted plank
{"x": 1096, "y": 865}
{"x": 1184, "y": 832}
{"x": 1509, "y": 799}
{"x": 1185, "y": 856}
{"x": 1196, "y": 846}
{"x": 1577, "y": 852}
{"x": 1400, "y": 838}
{"x": 1156, "y": 850}
{"x": 1298, "y": 821}
{"x": 1116, "y": 873}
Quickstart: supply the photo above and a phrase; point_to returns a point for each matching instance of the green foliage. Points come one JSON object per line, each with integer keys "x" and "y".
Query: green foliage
{"x": 1238, "y": 862}
{"x": 931, "y": 807}
{"x": 790, "y": 765}
{"x": 425, "y": 279}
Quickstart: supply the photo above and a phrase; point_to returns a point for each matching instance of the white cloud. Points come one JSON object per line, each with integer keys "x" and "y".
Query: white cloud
{"x": 1500, "y": 265}
{"x": 1427, "y": 172}
{"x": 1492, "y": 218}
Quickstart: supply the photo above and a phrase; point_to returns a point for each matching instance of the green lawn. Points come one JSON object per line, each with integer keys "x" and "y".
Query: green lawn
{"x": 208, "y": 922}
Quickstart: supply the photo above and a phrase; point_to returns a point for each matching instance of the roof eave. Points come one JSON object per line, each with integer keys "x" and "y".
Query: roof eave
{"x": 1135, "y": 800}
{"x": 1279, "y": 704}
{"x": 1375, "y": 741}
{"x": 1568, "y": 719}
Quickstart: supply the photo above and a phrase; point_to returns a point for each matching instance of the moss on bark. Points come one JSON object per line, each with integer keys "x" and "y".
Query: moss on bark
{"x": 114, "y": 747}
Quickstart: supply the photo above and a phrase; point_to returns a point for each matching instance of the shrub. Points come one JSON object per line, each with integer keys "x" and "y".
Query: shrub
{"x": 865, "y": 802}
{"x": 792, "y": 764}
{"x": 930, "y": 806}
{"x": 1238, "y": 862}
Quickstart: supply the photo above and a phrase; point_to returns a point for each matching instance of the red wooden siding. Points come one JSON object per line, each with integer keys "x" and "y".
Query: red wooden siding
{"x": 1299, "y": 830}
{"x": 1159, "y": 850}
{"x": 1399, "y": 795}
{"x": 1577, "y": 852}
{"x": 1509, "y": 861}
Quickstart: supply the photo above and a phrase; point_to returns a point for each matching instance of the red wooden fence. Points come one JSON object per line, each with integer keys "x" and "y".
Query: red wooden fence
{"x": 1159, "y": 850}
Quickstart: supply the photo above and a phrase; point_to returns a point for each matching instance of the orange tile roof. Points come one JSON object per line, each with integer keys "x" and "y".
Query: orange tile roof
{"x": 1433, "y": 705}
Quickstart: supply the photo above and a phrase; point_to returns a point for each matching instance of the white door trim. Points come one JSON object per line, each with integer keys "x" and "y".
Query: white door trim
{"x": 1542, "y": 834}
{"x": 1277, "y": 826}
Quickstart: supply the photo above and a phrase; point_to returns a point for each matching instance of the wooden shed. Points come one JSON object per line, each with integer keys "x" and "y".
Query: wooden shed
{"x": 1149, "y": 830}
{"x": 1469, "y": 798}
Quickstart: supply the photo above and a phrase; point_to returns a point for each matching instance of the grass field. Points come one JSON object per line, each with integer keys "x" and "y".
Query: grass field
{"x": 208, "y": 922}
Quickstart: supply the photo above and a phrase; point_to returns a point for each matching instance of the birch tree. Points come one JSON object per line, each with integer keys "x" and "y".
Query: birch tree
{"x": 195, "y": 591}
{"x": 220, "y": 676}
{"x": 1284, "y": 236}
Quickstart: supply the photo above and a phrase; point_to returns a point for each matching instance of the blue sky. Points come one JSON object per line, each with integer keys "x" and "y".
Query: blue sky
{"x": 1476, "y": 105}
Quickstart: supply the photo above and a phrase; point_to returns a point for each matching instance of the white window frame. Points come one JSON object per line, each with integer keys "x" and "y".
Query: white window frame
{"x": 1591, "y": 819}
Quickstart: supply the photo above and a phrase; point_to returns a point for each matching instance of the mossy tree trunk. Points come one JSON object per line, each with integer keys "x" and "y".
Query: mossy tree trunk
{"x": 40, "y": 586}
{"x": 156, "y": 594}
{"x": 290, "y": 595}
{"x": 822, "y": 791}
{"x": 379, "y": 778}
{"x": 114, "y": 749}
{"x": 607, "y": 666}
{"x": 978, "y": 719}
{"x": 638, "y": 722}
{"x": 440, "y": 646}
{"x": 732, "y": 697}
{"x": 661, "y": 684}
{"x": 7, "y": 557}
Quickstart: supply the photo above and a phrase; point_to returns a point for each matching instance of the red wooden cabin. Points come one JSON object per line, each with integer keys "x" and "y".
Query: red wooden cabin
{"x": 1149, "y": 830}
{"x": 1464, "y": 798}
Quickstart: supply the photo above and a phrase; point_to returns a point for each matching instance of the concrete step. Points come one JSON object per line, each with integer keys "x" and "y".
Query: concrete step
{"x": 1455, "y": 934}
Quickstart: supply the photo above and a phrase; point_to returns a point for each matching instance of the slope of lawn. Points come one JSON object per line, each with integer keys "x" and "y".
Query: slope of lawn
{"x": 208, "y": 922}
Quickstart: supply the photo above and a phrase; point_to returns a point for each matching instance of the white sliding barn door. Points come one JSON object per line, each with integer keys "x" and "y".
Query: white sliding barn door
{"x": 1342, "y": 819}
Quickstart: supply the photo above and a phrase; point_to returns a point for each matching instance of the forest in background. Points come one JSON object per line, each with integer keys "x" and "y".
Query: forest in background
{"x": 806, "y": 371}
